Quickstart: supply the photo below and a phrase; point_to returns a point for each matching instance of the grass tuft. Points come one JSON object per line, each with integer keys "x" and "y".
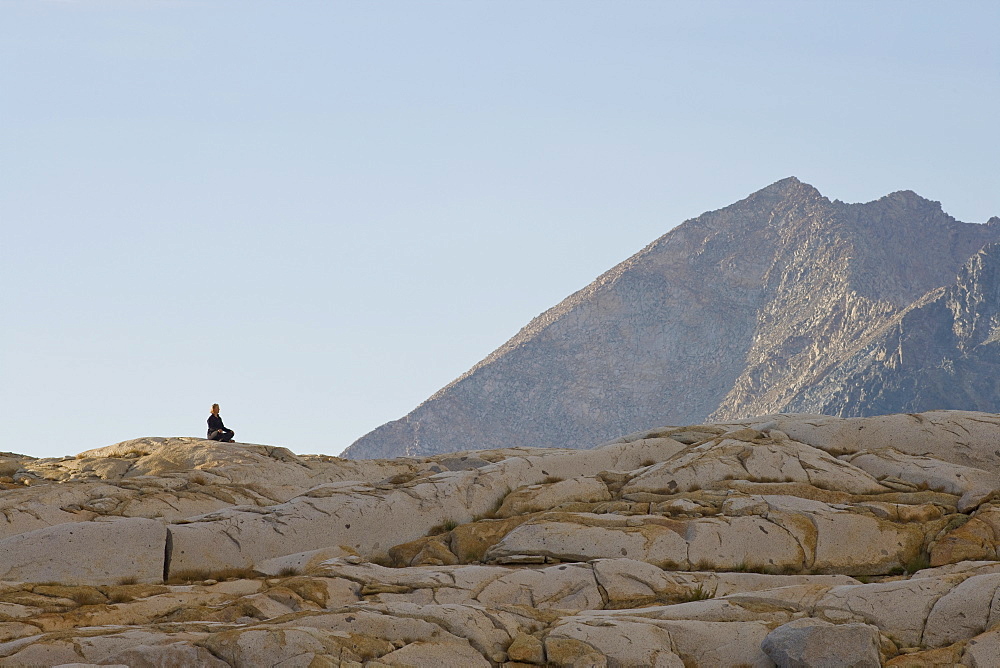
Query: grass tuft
{"x": 699, "y": 593}
{"x": 120, "y": 596}
{"x": 188, "y": 576}
{"x": 442, "y": 528}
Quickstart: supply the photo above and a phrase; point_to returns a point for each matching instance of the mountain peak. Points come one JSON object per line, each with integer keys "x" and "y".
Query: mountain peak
{"x": 909, "y": 199}
{"x": 788, "y": 186}
{"x": 741, "y": 311}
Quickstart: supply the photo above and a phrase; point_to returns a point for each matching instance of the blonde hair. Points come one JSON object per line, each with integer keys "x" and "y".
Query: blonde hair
{"x": 215, "y": 407}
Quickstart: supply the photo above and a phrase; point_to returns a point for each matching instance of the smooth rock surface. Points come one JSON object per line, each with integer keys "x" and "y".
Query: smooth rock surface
{"x": 512, "y": 557}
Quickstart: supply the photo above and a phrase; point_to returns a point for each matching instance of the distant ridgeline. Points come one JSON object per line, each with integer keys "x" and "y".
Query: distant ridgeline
{"x": 782, "y": 302}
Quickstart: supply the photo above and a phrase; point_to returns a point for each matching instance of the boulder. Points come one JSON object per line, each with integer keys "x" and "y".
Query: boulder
{"x": 760, "y": 460}
{"x": 586, "y": 536}
{"x": 611, "y": 643}
{"x": 966, "y": 438}
{"x": 565, "y": 587}
{"x": 301, "y": 562}
{"x": 973, "y": 540}
{"x": 166, "y": 655}
{"x": 534, "y": 498}
{"x": 964, "y": 612}
{"x": 971, "y": 484}
{"x": 983, "y": 650}
{"x": 87, "y": 553}
{"x": 813, "y": 643}
{"x": 898, "y": 608}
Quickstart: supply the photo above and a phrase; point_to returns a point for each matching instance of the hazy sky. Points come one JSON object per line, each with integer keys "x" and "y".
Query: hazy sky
{"x": 319, "y": 213}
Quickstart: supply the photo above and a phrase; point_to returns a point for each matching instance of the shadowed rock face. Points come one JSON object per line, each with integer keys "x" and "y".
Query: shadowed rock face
{"x": 941, "y": 352}
{"x": 783, "y": 301}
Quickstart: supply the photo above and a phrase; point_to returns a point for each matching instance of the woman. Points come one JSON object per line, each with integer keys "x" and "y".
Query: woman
{"x": 216, "y": 430}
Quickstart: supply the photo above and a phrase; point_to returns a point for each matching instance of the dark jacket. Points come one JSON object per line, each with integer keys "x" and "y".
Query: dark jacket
{"x": 214, "y": 423}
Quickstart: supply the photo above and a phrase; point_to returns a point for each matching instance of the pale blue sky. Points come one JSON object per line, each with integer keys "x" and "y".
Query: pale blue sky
{"x": 319, "y": 213}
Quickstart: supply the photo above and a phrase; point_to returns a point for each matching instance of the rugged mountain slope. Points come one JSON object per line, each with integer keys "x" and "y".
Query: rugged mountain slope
{"x": 748, "y": 310}
{"x": 941, "y": 352}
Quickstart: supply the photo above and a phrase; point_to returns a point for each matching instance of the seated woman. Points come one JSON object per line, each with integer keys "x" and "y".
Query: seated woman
{"x": 216, "y": 430}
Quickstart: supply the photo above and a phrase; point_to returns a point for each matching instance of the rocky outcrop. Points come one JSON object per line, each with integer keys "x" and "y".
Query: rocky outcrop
{"x": 784, "y": 301}
{"x": 785, "y": 540}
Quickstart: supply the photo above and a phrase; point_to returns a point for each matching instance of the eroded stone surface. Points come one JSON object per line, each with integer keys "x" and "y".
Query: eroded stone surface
{"x": 702, "y": 545}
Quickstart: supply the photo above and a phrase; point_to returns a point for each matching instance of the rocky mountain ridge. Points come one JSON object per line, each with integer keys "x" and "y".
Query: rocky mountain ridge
{"x": 786, "y": 540}
{"x": 767, "y": 305}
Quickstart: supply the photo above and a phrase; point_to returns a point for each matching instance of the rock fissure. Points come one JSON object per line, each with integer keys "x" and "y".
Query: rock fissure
{"x": 168, "y": 548}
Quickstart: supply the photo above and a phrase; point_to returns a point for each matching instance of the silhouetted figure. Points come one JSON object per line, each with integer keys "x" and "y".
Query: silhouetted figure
{"x": 216, "y": 430}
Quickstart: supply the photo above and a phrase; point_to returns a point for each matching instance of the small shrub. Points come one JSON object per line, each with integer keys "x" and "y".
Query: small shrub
{"x": 79, "y": 594}
{"x": 289, "y": 571}
{"x": 120, "y": 596}
{"x": 699, "y": 593}
{"x": 442, "y": 528}
{"x": 129, "y": 580}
